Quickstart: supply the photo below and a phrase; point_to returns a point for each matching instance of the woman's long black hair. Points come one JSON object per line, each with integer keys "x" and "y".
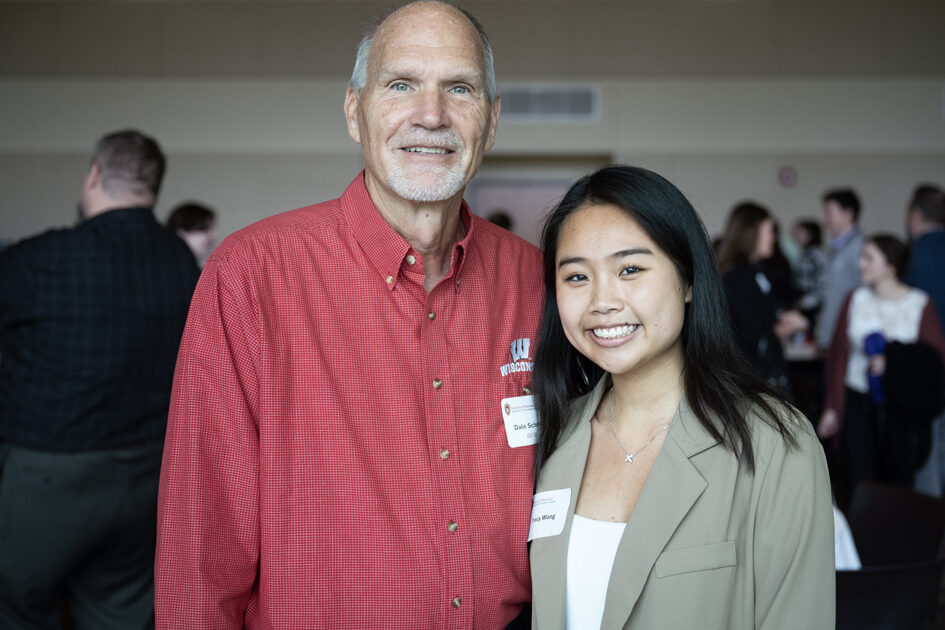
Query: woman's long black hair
{"x": 719, "y": 384}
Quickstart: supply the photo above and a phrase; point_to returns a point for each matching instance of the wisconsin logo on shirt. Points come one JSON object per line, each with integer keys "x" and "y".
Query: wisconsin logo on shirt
{"x": 521, "y": 359}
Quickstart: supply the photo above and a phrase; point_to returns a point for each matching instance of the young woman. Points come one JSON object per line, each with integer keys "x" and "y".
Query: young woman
{"x": 196, "y": 224}
{"x": 900, "y": 313}
{"x": 758, "y": 308}
{"x": 692, "y": 496}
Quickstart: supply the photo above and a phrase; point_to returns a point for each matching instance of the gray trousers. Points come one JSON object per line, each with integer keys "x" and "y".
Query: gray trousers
{"x": 79, "y": 529}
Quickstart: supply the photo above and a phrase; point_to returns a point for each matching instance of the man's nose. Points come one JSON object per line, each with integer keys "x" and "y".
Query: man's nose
{"x": 431, "y": 109}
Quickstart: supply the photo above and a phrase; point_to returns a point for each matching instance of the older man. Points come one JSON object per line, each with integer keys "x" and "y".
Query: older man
{"x": 351, "y": 434}
{"x": 90, "y": 321}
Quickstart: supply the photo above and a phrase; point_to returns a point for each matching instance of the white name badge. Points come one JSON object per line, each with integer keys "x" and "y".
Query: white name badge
{"x": 549, "y": 511}
{"x": 521, "y": 420}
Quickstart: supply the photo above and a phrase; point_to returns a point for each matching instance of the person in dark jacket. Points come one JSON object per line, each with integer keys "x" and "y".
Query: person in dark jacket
{"x": 759, "y": 323}
{"x": 90, "y": 322}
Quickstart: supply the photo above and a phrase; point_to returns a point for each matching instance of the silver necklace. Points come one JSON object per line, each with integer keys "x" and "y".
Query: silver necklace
{"x": 610, "y": 425}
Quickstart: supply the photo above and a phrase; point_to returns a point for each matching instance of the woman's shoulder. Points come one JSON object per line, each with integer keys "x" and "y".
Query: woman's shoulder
{"x": 781, "y": 429}
{"x": 918, "y": 297}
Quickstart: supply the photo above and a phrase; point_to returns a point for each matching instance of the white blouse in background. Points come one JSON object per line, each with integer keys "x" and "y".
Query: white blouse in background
{"x": 591, "y": 551}
{"x": 898, "y": 320}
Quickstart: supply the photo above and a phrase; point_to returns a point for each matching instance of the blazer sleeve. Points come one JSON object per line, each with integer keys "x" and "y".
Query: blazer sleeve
{"x": 793, "y": 540}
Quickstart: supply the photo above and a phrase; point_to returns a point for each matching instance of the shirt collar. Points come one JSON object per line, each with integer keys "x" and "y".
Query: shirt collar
{"x": 386, "y": 249}
{"x": 117, "y": 215}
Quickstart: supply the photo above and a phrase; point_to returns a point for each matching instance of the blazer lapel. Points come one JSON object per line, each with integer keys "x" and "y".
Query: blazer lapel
{"x": 672, "y": 488}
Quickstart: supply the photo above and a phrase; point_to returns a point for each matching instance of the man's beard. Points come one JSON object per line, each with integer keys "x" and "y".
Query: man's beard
{"x": 436, "y": 183}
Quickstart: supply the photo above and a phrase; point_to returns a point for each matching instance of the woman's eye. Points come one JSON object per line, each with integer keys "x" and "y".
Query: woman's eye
{"x": 576, "y": 277}
{"x": 629, "y": 271}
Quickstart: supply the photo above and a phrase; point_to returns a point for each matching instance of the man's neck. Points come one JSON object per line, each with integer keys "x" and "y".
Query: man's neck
{"x": 926, "y": 228}
{"x": 431, "y": 228}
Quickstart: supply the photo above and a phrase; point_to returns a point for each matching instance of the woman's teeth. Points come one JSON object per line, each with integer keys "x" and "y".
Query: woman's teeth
{"x": 613, "y": 333}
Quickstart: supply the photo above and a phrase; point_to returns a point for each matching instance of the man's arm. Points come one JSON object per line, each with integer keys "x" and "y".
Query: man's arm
{"x": 208, "y": 534}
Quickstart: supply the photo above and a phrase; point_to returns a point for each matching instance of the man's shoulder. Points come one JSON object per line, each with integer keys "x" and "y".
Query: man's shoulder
{"x": 931, "y": 244}
{"x": 851, "y": 248}
{"x": 52, "y": 240}
{"x": 281, "y": 226}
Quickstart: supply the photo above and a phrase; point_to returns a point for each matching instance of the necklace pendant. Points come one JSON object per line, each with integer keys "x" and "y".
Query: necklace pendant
{"x": 629, "y": 459}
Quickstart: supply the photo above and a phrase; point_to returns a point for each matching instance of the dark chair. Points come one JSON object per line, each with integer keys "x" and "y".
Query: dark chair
{"x": 902, "y": 597}
{"x": 892, "y": 525}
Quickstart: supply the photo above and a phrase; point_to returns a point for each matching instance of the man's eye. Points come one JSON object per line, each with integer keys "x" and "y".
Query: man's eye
{"x": 400, "y": 87}
{"x": 460, "y": 89}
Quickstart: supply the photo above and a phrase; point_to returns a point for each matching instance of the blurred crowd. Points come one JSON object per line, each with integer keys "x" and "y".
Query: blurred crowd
{"x": 850, "y": 326}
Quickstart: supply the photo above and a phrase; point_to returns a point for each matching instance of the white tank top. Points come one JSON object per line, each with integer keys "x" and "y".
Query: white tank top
{"x": 591, "y": 551}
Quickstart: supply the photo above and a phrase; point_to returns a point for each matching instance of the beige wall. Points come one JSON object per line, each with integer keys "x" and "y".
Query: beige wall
{"x": 246, "y": 98}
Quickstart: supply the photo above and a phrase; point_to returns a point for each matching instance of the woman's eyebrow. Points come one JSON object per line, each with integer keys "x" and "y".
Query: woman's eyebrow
{"x": 631, "y": 252}
{"x": 577, "y": 260}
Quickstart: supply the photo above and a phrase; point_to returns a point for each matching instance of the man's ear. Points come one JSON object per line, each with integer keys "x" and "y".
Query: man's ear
{"x": 493, "y": 123}
{"x": 352, "y": 107}
{"x": 93, "y": 178}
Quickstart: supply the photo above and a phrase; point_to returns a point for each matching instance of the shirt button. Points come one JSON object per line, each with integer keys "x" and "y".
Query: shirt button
{"x": 457, "y": 602}
{"x": 437, "y": 383}
{"x": 431, "y": 315}
{"x": 390, "y": 279}
{"x": 527, "y": 390}
{"x": 410, "y": 259}
{"x": 453, "y": 526}
{"x": 445, "y": 453}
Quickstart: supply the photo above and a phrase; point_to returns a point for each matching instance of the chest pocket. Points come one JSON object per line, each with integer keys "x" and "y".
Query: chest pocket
{"x": 693, "y": 559}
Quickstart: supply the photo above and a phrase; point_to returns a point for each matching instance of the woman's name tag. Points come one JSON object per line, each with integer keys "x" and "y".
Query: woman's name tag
{"x": 549, "y": 511}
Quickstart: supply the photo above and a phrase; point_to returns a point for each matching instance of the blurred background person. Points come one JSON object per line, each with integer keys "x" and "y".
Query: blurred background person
{"x": 90, "y": 322}
{"x": 841, "y": 213}
{"x": 925, "y": 222}
{"x": 809, "y": 274}
{"x": 502, "y": 218}
{"x": 857, "y": 403}
{"x": 760, "y": 321}
{"x": 196, "y": 224}
{"x": 777, "y": 268}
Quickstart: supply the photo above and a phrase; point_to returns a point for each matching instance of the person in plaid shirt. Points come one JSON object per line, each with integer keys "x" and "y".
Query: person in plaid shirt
{"x": 90, "y": 322}
{"x": 351, "y": 436}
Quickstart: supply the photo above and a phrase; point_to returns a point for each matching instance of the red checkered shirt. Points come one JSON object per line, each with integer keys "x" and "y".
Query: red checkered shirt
{"x": 336, "y": 455}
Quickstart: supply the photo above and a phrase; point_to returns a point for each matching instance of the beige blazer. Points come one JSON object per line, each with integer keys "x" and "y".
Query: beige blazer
{"x": 708, "y": 544}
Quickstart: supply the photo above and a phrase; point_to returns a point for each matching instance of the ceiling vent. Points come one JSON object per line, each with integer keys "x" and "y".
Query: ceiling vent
{"x": 551, "y": 102}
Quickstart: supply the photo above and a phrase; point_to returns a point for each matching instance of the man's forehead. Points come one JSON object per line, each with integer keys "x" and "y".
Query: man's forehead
{"x": 426, "y": 24}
